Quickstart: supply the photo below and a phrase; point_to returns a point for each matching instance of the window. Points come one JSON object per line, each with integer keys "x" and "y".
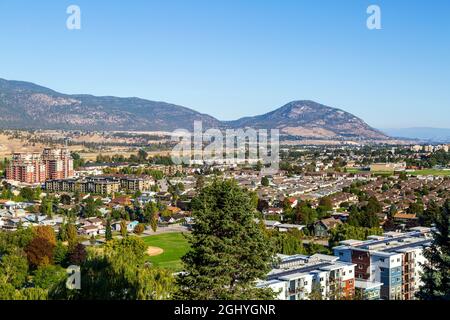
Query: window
{"x": 351, "y": 271}
{"x": 382, "y": 260}
{"x": 341, "y": 254}
{"x": 360, "y": 266}
{"x": 360, "y": 257}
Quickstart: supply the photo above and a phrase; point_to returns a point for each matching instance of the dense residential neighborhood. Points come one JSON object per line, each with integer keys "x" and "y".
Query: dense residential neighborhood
{"x": 340, "y": 228}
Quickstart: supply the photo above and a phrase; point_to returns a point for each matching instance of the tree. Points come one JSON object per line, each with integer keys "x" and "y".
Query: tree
{"x": 316, "y": 292}
{"x": 139, "y": 229}
{"x": 373, "y": 206}
{"x": 47, "y": 207}
{"x": 108, "y": 231}
{"x": 345, "y": 232}
{"x": 305, "y": 214}
{"x": 45, "y": 232}
{"x": 39, "y": 252}
{"x": 142, "y": 155}
{"x": 27, "y": 194}
{"x": 14, "y": 267}
{"x": 430, "y": 215}
{"x": 90, "y": 208}
{"x": 200, "y": 182}
{"x": 72, "y": 235}
{"x": 120, "y": 272}
{"x": 123, "y": 228}
{"x": 265, "y": 182}
{"x": 62, "y": 232}
{"x": 392, "y": 211}
{"x": 46, "y": 277}
{"x": 77, "y": 255}
{"x": 436, "y": 271}
{"x": 66, "y": 199}
{"x": 229, "y": 251}
{"x": 258, "y": 166}
{"x": 60, "y": 253}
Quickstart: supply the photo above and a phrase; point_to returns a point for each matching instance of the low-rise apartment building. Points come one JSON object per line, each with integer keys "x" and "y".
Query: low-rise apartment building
{"x": 299, "y": 277}
{"x": 100, "y": 184}
{"x": 394, "y": 259}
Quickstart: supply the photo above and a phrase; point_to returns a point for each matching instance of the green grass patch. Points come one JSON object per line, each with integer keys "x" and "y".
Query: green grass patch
{"x": 354, "y": 170}
{"x": 175, "y": 245}
{"x": 432, "y": 172}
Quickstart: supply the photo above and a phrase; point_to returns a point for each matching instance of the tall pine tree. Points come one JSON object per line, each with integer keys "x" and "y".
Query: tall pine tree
{"x": 108, "y": 231}
{"x": 436, "y": 271}
{"x": 229, "y": 252}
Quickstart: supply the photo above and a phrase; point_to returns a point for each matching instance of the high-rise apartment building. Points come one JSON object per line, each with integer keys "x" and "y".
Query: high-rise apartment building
{"x": 35, "y": 168}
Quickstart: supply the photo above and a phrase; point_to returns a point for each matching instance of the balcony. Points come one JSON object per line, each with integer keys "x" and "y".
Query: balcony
{"x": 296, "y": 290}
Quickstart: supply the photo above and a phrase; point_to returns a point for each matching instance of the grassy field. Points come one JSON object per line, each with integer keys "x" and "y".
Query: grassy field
{"x": 432, "y": 172}
{"x": 174, "y": 245}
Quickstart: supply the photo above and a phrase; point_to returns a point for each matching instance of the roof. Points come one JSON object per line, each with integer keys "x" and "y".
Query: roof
{"x": 271, "y": 223}
{"x": 289, "y": 226}
{"x": 330, "y": 223}
{"x": 405, "y": 216}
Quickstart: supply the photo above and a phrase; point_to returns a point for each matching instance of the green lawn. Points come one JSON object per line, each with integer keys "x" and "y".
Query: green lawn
{"x": 432, "y": 172}
{"x": 174, "y": 245}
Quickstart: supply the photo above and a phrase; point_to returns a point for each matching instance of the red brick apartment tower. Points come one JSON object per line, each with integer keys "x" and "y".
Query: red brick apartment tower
{"x": 362, "y": 261}
{"x": 26, "y": 168}
{"x": 37, "y": 168}
{"x": 58, "y": 163}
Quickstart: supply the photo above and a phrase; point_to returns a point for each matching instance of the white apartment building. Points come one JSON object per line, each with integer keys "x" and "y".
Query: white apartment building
{"x": 297, "y": 277}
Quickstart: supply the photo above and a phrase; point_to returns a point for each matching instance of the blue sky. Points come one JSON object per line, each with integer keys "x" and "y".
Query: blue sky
{"x": 234, "y": 58}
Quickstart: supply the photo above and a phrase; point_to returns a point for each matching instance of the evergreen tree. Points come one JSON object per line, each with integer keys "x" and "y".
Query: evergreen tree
{"x": 229, "y": 251}
{"x": 436, "y": 271}
{"x": 72, "y": 235}
{"x": 123, "y": 228}
{"x": 108, "y": 231}
{"x": 428, "y": 216}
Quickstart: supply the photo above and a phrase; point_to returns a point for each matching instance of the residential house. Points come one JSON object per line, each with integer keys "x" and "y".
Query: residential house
{"x": 323, "y": 227}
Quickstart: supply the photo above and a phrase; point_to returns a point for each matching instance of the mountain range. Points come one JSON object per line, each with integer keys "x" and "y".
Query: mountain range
{"x": 24, "y": 105}
{"x": 432, "y": 135}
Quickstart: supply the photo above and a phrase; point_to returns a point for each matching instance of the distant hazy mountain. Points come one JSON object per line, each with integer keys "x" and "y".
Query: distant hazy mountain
{"x": 422, "y": 133}
{"x": 29, "y": 106}
{"x": 310, "y": 119}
